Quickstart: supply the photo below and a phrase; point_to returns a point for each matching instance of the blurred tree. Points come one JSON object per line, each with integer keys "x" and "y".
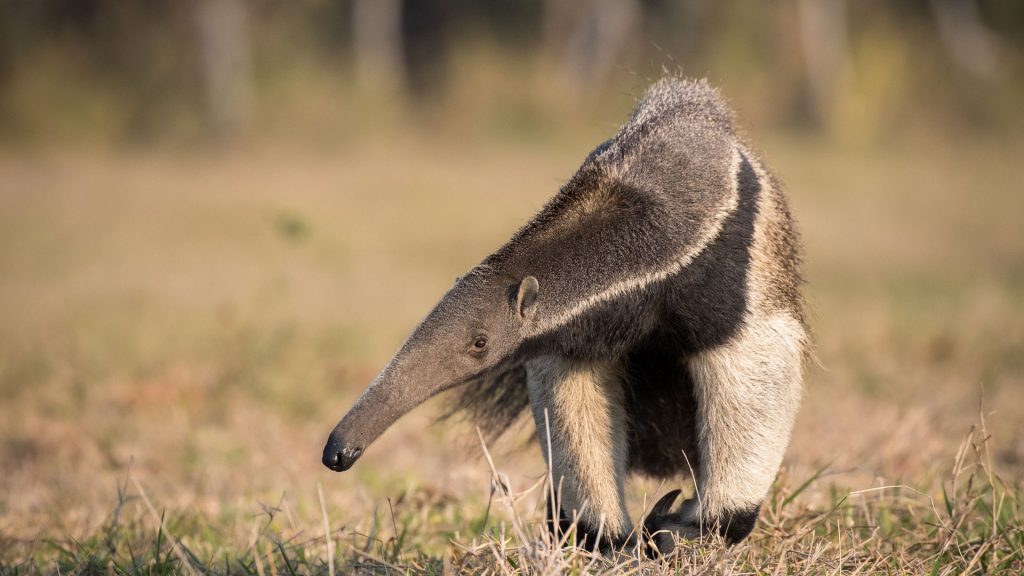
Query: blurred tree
{"x": 377, "y": 45}
{"x": 99, "y": 65}
{"x": 113, "y": 70}
{"x": 968, "y": 41}
{"x": 426, "y": 30}
{"x": 225, "y": 50}
{"x": 824, "y": 43}
{"x": 590, "y": 37}
{"x": 401, "y": 47}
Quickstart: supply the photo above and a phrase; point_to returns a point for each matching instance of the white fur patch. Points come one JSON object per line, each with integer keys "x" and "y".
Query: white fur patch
{"x": 586, "y": 412}
{"x": 763, "y": 266}
{"x": 748, "y": 392}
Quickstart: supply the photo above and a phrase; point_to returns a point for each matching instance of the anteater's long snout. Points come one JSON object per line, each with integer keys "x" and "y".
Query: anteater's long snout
{"x": 391, "y": 394}
{"x": 372, "y": 414}
{"x": 338, "y": 456}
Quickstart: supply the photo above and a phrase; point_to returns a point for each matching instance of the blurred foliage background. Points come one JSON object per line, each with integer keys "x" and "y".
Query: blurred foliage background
{"x": 180, "y": 72}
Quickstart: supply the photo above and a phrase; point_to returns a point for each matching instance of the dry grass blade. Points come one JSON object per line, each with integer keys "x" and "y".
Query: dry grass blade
{"x": 269, "y": 553}
{"x": 175, "y": 545}
{"x": 328, "y": 541}
{"x": 254, "y": 548}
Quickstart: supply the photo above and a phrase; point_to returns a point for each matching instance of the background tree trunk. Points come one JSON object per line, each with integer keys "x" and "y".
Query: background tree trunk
{"x": 225, "y": 51}
{"x": 377, "y": 45}
{"x": 966, "y": 39}
{"x": 589, "y": 37}
{"x": 824, "y": 44}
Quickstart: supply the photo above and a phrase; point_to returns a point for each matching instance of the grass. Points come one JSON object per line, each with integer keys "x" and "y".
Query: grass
{"x": 178, "y": 333}
{"x": 977, "y": 526}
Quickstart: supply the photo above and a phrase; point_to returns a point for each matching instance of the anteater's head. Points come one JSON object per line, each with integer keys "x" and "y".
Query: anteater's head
{"x": 478, "y": 326}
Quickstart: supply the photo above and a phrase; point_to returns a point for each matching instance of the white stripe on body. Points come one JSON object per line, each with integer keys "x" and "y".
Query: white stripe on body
{"x": 683, "y": 259}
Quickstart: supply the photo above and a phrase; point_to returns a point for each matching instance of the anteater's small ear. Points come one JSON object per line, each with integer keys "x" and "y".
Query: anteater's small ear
{"x": 526, "y": 298}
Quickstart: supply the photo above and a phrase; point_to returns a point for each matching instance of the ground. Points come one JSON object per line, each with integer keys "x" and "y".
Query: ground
{"x": 179, "y": 331}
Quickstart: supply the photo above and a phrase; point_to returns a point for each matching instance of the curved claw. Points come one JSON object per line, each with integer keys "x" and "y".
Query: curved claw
{"x": 662, "y": 525}
{"x": 664, "y": 505}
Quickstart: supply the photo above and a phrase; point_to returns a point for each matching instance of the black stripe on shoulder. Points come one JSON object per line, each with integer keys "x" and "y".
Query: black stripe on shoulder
{"x": 710, "y": 295}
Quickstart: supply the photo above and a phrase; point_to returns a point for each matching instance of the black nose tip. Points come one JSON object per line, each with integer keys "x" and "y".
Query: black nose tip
{"x": 331, "y": 458}
{"x": 342, "y": 459}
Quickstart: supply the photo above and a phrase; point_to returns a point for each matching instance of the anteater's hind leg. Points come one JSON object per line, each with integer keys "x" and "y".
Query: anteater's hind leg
{"x": 747, "y": 394}
{"x": 583, "y": 402}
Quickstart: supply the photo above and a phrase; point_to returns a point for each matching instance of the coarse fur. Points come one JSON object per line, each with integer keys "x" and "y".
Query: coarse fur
{"x": 581, "y": 405}
{"x": 650, "y": 315}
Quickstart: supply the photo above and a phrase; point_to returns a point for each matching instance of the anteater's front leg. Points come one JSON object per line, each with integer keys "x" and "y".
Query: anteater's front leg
{"x": 586, "y": 421}
{"x": 747, "y": 393}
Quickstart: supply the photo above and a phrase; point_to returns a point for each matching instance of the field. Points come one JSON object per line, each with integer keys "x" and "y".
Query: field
{"x": 179, "y": 331}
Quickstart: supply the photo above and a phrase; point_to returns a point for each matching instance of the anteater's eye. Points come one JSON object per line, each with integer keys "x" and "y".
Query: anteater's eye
{"x": 480, "y": 343}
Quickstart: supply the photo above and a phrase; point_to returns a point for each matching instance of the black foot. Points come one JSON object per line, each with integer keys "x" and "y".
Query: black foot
{"x": 586, "y": 535}
{"x": 662, "y": 525}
